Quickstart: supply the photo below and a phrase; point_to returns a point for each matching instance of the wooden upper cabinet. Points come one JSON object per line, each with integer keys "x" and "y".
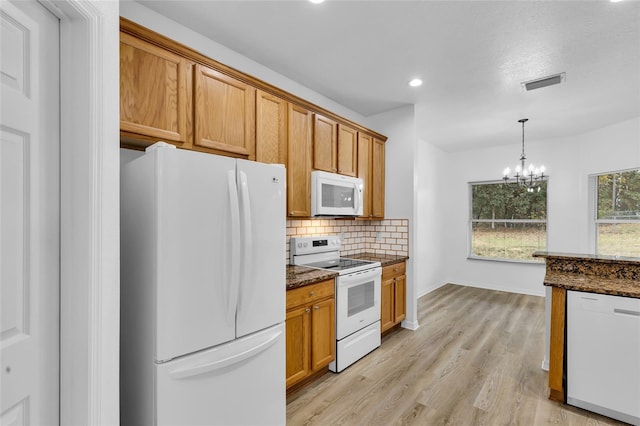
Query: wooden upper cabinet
{"x": 155, "y": 94}
{"x": 371, "y": 158}
{"x": 325, "y": 144}
{"x": 271, "y": 128}
{"x": 299, "y": 161}
{"x": 347, "y": 150}
{"x": 224, "y": 113}
{"x": 377, "y": 178}
{"x": 364, "y": 171}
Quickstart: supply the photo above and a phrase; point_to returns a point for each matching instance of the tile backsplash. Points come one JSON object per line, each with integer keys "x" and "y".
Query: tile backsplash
{"x": 388, "y": 236}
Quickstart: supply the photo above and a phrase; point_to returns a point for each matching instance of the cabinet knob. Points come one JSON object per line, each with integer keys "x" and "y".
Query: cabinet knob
{"x": 308, "y": 310}
{"x": 290, "y": 213}
{"x": 311, "y": 294}
{"x": 316, "y": 307}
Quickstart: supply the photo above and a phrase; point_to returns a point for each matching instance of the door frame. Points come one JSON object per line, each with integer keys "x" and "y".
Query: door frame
{"x": 89, "y": 210}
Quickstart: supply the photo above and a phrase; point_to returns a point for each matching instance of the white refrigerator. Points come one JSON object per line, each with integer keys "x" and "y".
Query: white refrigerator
{"x": 202, "y": 290}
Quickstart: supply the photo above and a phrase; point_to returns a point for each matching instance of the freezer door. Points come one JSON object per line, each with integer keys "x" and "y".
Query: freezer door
{"x": 262, "y": 192}
{"x": 197, "y": 251}
{"x": 238, "y": 383}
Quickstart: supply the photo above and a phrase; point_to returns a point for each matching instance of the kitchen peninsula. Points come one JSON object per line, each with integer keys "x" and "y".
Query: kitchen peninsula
{"x": 587, "y": 277}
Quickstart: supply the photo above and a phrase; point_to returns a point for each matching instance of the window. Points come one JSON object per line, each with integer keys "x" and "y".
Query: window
{"x": 617, "y": 215}
{"x": 507, "y": 222}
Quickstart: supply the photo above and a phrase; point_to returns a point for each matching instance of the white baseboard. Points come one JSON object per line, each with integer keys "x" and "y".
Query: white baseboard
{"x": 516, "y": 290}
{"x": 545, "y": 364}
{"x": 410, "y": 325}
{"x": 430, "y": 289}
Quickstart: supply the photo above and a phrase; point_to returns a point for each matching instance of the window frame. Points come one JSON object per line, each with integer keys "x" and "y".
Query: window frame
{"x": 471, "y": 221}
{"x": 593, "y": 217}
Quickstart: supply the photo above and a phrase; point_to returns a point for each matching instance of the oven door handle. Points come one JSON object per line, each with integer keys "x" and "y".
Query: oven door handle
{"x": 359, "y": 277}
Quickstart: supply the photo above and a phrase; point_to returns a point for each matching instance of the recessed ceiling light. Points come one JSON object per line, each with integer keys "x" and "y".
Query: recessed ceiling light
{"x": 415, "y": 82}
{"x": 316, "y": 1}
{"x": 615, "y": 1}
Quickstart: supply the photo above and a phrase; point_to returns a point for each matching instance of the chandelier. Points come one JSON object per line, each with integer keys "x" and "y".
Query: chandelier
{"x": 529, "y": 177}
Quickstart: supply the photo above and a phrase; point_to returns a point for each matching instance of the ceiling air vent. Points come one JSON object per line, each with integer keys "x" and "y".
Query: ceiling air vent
{"x": 543, "y": 82}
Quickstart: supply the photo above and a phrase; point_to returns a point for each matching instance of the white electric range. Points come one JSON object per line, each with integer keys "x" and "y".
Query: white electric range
{"x": 358, "y": 288}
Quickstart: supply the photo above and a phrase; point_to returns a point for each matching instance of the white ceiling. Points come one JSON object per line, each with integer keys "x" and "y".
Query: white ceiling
{"x": 472, "y": 56}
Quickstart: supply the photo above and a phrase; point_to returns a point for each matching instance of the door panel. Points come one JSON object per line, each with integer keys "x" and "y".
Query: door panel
{"x": 194, "y": 236}
{"x": 262, "y": 198}
{"x": 347, "y": 150}
{"x": 247, "y": 392}
{"x": 224, "y": 113}
{"x": 323, "y": 332}
{"x": 324, "y": 144}
{"x": 29, "y": 214}
{"x": 298, "y": 337}
{"x": 299, "y": 162}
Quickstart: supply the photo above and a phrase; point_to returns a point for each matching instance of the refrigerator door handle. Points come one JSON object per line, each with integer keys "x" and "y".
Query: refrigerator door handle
{"x": 234, "y": 282}
{"x": 226, "y": 359}
{"x": 247, "y": 249}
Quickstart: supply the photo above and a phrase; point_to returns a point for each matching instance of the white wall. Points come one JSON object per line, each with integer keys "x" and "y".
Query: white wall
{"x": 569, "y": 162}
{"x": 430, "y": 234}
{"x": 169, "y": 28}
{"x": 400, "y": 193}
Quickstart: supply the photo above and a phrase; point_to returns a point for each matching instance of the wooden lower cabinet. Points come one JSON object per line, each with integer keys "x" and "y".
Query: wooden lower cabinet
{"x": 394, "y": 296}
{"x": 310, "y": 330}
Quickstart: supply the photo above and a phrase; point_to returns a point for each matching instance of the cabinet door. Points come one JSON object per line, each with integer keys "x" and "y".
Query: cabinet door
{"x": 298, "y": 342}
{"x": 323, "y": 344}
{"x": 155, "y": 94}
{"x": 299, "y": 162}
{"x": 325, "y": 144}
{"x": 347, "y": 150}
{"x": 400, "y": 297}
{"x": 387, "y": 305}
{"x": 377, "y": 179}
{"x": 364, "y": 171}
{"x": 271, "y": 128}
{"x": 224, "y": 113}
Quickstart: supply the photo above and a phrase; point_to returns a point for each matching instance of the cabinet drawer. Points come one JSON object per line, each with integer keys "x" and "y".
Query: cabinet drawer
{"x": 310, "y": 293}
{"x": 395, "y": 270}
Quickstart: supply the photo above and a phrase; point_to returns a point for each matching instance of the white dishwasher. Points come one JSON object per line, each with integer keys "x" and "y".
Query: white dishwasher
{"x": 603, "y": 354}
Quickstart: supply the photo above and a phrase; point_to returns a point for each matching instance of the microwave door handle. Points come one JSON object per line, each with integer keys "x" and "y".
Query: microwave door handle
{"x": 357, "y": 195}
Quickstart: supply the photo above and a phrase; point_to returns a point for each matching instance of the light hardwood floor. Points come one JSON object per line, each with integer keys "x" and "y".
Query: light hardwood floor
{"x": 475, "y": 360}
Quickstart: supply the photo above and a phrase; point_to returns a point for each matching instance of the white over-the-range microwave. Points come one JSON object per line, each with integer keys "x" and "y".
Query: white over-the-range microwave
{"x": 335, "y": 195}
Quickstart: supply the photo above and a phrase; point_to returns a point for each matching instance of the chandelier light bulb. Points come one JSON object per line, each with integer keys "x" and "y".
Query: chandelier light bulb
{"x": 530, "y": 177}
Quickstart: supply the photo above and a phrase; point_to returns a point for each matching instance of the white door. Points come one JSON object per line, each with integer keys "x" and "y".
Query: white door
{"x": 197, "y": 283}
{"x": 262, "y": 268}
{"x": 29, "y": 215}
{"x": 238, "y": 383}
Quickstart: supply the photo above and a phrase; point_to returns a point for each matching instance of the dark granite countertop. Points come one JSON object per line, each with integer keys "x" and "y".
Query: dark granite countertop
{"x": 594, "y": 284}
{"x": 299, "y": 276}
{"x": 617, "y": 276}
{"x": 384, "y": 259}
{"x": 590, "y": 257}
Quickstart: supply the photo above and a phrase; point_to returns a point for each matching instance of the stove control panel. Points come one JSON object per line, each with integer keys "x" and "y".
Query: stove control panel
{"x": 316, "y": 244}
